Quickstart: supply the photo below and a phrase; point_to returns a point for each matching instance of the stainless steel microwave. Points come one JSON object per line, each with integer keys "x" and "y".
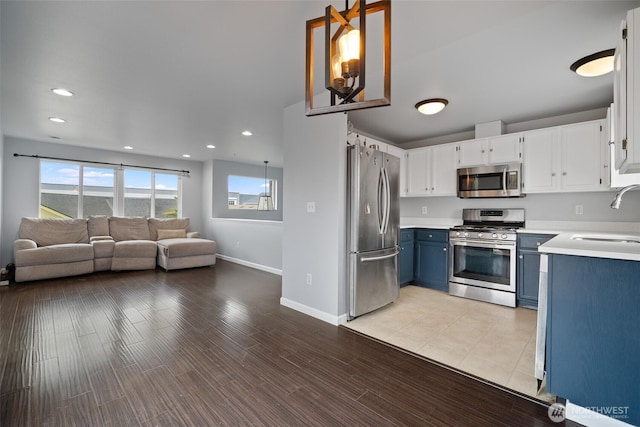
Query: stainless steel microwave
{"x": 490, "y": 181}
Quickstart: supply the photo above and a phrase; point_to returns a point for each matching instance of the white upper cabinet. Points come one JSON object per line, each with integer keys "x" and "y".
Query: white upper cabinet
{"x": 567, "y": 158}
{"x": 541, "y": 150}
{"x": 626, "y": 95}
{"x": 431, "y": 171}
{"x": 494, "y": 150}
{"x": 402, "y": 155}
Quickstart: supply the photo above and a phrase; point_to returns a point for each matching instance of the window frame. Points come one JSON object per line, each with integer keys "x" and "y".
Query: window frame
{"x": 118, "y": 186}
{"x": 273, "y": 185}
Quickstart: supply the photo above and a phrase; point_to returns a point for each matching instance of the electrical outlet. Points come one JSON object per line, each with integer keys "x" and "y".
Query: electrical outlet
{"x": 309, "y": 279}
{"x": 311, "y": 207}
{"x": 579, "y": 210}
{"x": 424, "y": 210}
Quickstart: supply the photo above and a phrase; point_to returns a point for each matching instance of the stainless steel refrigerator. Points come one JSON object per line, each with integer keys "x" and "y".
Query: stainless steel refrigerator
{"x": 373, "y": 226}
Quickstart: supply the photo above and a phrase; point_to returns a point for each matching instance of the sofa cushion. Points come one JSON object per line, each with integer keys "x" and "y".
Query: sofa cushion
{"x": 98, "y": 225}
{"x": 176, "y": 248}
{"x": 54, "y": 231}
{"x": 135, "y": 249}
{"x": 58, "y": 254}
{"x": 128, "y": 228}
{"x": 171, "y": 234}
{"x": 156, "y": 224}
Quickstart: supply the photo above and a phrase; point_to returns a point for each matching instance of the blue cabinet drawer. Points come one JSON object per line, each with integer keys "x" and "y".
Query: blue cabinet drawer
{"x": 406, "y": 235}
{"x": 432, "y": 235}
{"x": 532, "y": 241}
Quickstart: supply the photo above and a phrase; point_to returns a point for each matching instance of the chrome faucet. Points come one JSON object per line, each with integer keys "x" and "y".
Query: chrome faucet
{"x": 616, "y": 202}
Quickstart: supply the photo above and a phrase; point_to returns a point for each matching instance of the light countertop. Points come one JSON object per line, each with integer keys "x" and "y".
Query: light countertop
{"x": 598, "y": 245}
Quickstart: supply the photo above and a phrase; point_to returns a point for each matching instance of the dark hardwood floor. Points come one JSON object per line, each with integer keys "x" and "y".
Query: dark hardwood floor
{"x": 213, "y": 346}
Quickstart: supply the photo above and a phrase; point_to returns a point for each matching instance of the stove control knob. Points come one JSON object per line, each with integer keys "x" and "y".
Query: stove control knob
{"x": 504, "y": 236}
{"x": 494, "y": 235}
{"x": 466, "y": 234}
{"x": 479, "y": 234}
{"x": 457, "y": 233}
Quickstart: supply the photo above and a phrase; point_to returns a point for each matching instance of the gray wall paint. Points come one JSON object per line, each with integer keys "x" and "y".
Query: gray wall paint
{"x": 256, "y": 243}
{"x": 221, "y": 171}
{"x": 21, "y": 182}
{"x": 315, "y": 165}
{"x": 539, "y": 207}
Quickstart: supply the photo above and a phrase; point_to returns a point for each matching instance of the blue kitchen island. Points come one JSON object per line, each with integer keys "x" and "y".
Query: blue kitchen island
{"x": 593, "y": 324}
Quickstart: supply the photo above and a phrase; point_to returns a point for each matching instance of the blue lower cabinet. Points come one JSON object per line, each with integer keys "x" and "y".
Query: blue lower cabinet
{"x": 592, "y": 334}
{"x": 405, "y": 258}
{"x": 528, "y": 268}
{"x": 431, "y": 258}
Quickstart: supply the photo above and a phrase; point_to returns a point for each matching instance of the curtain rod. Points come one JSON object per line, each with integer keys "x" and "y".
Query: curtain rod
{"x": 35, "y": 156}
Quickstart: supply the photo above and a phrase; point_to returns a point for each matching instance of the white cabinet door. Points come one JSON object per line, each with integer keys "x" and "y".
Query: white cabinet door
{"x": 402, "y": 155}
{"x": 505, "y": 149}
{"x": 541, "y": 152}
{"x": 581, "y": 156}
{"x": 443, "y": 170}
{"x": 417, "y": 171}
{"x": 473, "y": 152}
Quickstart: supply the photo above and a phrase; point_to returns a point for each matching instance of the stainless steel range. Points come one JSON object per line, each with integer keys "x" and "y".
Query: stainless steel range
{"x": 483, "y": 255}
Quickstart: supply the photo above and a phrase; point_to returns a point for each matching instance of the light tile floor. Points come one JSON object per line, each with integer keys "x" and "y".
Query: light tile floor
{"x": 486, "y": 340}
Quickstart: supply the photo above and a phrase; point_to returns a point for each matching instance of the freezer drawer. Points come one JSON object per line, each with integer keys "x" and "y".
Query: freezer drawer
{"x": 373, "y": 281}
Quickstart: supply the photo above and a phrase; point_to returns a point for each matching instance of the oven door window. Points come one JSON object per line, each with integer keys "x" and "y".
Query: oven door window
{"x": 482, "y": 264}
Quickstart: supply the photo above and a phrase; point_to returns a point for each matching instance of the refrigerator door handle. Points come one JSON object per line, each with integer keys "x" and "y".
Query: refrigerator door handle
{"x": 378, "y": 258}
{"x": 381, "y": 202}
{"x": 386, "y": 205}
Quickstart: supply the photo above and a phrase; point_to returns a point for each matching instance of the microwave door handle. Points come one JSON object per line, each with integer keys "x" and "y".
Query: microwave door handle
{"x": 504, "y": 181}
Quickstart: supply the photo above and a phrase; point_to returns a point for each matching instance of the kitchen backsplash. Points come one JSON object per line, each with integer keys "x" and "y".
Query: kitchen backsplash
{"x": 540, "y": 207}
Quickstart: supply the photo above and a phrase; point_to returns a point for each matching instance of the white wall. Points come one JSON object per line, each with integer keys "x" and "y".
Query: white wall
{"x": 21, "y": 177}
{"x": 539, "y": 207}
{"x": 315, "y": 243}
{"x": 254, "y": 243}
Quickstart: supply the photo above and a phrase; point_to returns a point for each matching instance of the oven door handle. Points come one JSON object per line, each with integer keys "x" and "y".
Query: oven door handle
{"x": 483, "y": 244}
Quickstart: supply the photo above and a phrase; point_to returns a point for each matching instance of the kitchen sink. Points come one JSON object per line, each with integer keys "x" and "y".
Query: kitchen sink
{"x": 607, "y": 238}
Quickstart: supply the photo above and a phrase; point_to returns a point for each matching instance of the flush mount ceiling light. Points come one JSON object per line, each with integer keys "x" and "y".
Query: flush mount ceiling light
{"x": 265, "y": 202}
{"x": 247, "y": 133}
{"x": 61, "y": 91}
{"x": 211, "y": 146}
{"x": 57, "y": 120}
{"x": 595, "y": 65}
{"x": 345, "y": 58}
{"x": 186, "y": 156}
{"x": 128, "y": 147}
{"x": 431, "y": 106}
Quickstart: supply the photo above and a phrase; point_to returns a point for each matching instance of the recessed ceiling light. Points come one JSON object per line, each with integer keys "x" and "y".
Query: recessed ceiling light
{"x": 61, "y": 91}
{"x": 431, "y": 106}
{"x": 186, "y": 155}
{"x": 211, "y": 146}
{"x": 128, "y": 147}
{"x": 57, "y": 119}
{"x": 247, "y": 133}
{"x": 595, "y": 65}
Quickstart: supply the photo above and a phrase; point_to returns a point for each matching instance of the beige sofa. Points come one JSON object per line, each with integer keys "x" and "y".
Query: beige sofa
{"x": 49, "y": 248}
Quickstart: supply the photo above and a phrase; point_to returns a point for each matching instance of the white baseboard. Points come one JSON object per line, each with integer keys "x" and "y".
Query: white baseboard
{"x": 313, "y": 312}
{"x": 250, "y": 264}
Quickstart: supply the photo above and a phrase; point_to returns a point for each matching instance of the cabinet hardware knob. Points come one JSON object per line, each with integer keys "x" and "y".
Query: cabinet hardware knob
{"x": 537, "y": 243}
{"x": 491, "y": 150}
{"x": 430, "y": 235}
{"x": 444, "y": 249}
{"x": 520, "y": 257}
{"x": 482, "y": 151}
{"x": 553, "y": 174}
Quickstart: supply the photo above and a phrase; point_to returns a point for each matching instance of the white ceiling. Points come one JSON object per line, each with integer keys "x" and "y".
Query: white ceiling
{"x": 170, "y": 77}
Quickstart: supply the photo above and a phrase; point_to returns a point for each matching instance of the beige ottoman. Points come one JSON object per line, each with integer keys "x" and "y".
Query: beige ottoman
{"x": 186, "y": 253}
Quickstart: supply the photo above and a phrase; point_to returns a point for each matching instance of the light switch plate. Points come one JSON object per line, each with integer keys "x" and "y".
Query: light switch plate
{"x": 311, "y": 207}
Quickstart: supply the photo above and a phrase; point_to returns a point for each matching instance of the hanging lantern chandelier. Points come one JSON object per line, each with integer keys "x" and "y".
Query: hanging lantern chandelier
{"x": 345, "y": 58}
